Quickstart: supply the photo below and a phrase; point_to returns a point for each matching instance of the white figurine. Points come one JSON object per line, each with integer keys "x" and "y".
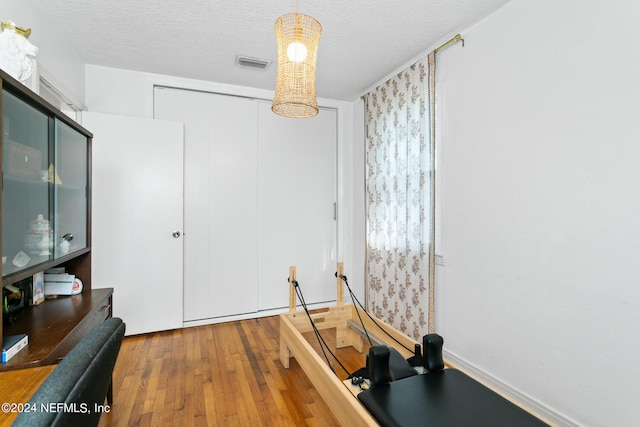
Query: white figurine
{"x": 16, "y": 52}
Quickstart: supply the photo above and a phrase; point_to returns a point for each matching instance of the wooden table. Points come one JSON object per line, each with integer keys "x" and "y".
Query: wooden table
{"x": 16, "y": 387}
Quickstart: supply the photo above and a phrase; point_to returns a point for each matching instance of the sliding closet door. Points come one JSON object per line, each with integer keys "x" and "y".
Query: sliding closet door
{"x": 220, "y": 181}
{"x": 296, "y": 196}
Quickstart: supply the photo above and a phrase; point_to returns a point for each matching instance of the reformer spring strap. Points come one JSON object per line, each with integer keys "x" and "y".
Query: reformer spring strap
{"x": 321, "y": 341}
{"x": 355, "y": 300}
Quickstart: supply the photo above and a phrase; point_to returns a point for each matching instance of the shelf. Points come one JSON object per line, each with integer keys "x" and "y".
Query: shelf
{"x": 38, "y": 182}
{"x": 30, "y": 181}
{"x": 42, "y": 265}
{"x": 36, "y": 261}
{"x": 56, "y": 325}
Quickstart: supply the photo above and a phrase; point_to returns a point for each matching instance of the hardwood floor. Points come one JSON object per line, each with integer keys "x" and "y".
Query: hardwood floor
{"x": 228, "y": 374}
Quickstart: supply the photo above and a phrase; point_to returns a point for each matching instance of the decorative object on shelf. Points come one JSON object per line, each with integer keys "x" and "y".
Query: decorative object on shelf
{"x": 64, "y": 246}
{"x": 21, "y": 160}
{"x": 17, "y": 54}
{"x": 37, "y": 288}
{"x": 38, "y": 240}
{"x": 21, "y": 259}
{"x": 62, "y": 284}
{"x": 53, "y": 175}
{"x": 31, "y": 239}
{"x": 295, "y": 94}
{"x": 44, "y": 245}
{"x": 13, "y": 301}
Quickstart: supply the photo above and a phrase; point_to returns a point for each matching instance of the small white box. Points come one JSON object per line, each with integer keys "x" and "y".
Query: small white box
{"x": 13, "y": 344}
{"x": 61, "y": 284}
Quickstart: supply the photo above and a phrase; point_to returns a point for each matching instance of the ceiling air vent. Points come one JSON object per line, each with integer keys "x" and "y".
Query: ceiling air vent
{"x": 252, "y": 63}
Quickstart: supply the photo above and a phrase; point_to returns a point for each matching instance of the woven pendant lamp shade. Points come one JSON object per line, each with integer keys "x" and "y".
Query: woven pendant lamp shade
{"x": 298, "y": 37}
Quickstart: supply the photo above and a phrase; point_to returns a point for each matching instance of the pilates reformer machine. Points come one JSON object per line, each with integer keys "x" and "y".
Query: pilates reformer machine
{"x": 405, "y": 383}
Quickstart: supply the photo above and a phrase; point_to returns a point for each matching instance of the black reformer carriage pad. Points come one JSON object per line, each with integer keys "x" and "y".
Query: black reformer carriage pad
{"x": 439, "y": 398}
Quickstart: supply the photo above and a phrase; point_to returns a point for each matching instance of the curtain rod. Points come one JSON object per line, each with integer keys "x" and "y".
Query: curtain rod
{"x": 456, "y": 38}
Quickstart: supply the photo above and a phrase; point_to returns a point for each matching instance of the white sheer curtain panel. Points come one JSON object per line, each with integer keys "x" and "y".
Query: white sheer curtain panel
{"x": 399, "y": 200}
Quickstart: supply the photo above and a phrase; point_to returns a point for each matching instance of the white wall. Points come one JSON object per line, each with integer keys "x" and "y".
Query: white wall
{"x": 57, "y": 60}
{"x": 541, "y": 204}
{"x": 124, "y": 92}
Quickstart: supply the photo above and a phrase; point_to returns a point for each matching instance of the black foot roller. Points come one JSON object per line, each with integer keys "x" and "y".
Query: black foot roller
{"x": 379, "y": 365}
{"x": 432, "y": 348}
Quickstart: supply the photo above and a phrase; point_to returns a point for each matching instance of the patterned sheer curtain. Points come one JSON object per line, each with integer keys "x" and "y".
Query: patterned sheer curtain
{"x": 399, "y": 182}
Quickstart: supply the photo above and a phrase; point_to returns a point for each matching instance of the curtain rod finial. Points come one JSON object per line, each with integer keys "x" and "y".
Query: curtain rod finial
{"x": 454, "y": 39}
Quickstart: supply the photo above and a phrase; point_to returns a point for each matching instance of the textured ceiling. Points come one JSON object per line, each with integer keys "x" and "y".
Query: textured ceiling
{"x": 362, "y": 41}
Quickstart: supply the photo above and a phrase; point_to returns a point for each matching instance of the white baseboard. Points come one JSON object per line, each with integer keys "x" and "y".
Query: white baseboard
{"x": 545, "y": 413}
{"x": 253, "y": 315}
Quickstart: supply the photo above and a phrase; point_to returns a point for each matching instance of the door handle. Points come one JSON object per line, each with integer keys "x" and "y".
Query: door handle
{"x": 176, "y": 234}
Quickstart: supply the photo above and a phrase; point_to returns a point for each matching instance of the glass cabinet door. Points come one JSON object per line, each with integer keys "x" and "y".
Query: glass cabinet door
{"x": 27, "y": 235}
{"x": 69, "y": 179}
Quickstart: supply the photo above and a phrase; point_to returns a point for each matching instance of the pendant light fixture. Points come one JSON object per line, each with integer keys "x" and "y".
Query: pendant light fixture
{"x": 297, "y": 36}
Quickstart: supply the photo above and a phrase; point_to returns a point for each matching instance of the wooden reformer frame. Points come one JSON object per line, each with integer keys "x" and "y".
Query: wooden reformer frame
{"x": 339, "y": 395}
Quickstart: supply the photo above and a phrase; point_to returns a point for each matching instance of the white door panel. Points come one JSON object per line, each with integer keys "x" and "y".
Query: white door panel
{"x": 317, "y": 198}
{"x": 297, "y": 192}
{"x": 277, "y": 206}
{"x": 136, "y": 207}
{"x": 220, "y": 200}
{"x": 259, "y": 195}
